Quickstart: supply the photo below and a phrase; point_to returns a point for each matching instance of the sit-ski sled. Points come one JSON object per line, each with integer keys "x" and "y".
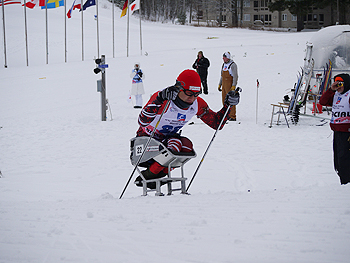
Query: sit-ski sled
{"x": 156, "y": 151}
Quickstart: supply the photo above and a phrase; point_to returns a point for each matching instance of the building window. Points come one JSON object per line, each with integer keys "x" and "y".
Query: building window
{"x": 256, "y": 4}
{"x": 294, "y": 18}
{"x": 321, "y": 17}
{"x": 246, "y": 17}
{"x": 284, "y": 17}
{"x": 246, "y": 3}
{"x": 264, "y": 4}
{"x": 267, "y": 20}
{"x": 309, "y": 17}
{"x": 256, "y": 17}
{"x": 223, "y": 18}
{"x": 315, "y": 18}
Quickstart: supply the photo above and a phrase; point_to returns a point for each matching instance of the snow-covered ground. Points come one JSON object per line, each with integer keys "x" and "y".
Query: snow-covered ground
{"x": 262, "y": 194}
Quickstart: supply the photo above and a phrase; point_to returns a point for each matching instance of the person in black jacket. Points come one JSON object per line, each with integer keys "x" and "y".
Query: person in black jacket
{"x": 201, "y": 64}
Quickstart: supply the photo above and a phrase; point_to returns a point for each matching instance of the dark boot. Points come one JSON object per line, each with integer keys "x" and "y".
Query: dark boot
{"x": 147, "y": 174}
{"x": 205, "y": 88}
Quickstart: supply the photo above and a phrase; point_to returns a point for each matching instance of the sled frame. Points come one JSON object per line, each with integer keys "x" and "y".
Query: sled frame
{"x": 156, "y": 151}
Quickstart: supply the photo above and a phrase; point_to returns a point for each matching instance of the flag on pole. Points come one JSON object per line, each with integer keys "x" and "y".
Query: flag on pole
{"x": 76, "y": 5}
{"x": 89, "y": 3}
{"x": 9, "y": 2}
{"x": 135, "y": 6}
{"x": 53, "y": 4}
{"x": 33, "y": 3}
{"x": 125, "y": 8}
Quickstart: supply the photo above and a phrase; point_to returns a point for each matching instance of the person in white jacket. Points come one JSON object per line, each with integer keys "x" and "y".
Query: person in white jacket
{"x": 137, "y": 85}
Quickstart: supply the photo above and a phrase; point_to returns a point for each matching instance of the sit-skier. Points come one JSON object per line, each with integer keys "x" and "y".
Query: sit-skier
{"x": 184, "y": 104}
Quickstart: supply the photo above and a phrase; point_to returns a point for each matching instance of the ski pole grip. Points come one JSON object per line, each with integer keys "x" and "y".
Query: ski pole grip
{"x": 238, "y": 89}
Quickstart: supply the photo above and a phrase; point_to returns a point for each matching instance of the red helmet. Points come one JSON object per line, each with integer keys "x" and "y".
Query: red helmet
{"x": 190, "y": 80}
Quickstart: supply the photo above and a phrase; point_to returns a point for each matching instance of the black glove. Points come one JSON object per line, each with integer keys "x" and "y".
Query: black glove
{"x": 169, "y": 93}
{"x": 232, "y": 98}
{"x": 140, "y": 74}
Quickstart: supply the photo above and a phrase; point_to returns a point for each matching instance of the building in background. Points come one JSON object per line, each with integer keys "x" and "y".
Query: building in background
{"x": 256, "y": 14}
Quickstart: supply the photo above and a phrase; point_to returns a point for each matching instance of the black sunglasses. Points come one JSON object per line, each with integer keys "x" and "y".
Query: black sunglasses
{"x": 190, "y": 93}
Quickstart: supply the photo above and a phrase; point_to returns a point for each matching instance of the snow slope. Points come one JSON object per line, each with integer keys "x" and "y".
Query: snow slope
{"x": 262, "y": 194}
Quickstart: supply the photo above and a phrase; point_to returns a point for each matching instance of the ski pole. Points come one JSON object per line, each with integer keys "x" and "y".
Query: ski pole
{"x": 144, "y": 150}
{"x": 238, "y": 89}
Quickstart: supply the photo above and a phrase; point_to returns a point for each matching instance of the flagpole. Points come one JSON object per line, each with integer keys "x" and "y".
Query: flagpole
{"x": 140, "y": 30}
{"x": 47, "y": 37}
{"x": 98, "y": 38}
{"x": 25, "y": 30}
{"x": 3, "y": 24}
{"x": 82, "y": 31}
{"x": 127, "y": 32}
{"x": 113, "y": 26}
{"x": 65, "y": 32}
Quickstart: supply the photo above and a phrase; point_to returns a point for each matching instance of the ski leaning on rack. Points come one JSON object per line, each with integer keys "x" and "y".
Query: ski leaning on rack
{"x": 295, "y": 94}
{"x": 327, "y": 73}
{"x": 306, "y": 83}
{"x": 302, "y": 86}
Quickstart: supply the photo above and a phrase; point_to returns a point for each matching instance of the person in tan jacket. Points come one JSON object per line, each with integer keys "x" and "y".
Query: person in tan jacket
{"x": 228, "y": 80}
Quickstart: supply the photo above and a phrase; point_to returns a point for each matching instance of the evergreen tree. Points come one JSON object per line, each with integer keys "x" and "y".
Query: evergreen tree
{"x": 300, "y": 8}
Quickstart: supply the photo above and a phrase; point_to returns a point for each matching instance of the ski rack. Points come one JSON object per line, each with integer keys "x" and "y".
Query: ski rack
{"x": 156, "y": 151}
{"x": 302, "y": 87}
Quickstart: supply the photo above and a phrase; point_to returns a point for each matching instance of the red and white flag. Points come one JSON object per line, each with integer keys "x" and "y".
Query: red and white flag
{"x": 135, "y": 6}
{"x": 32, "y": 3}
{"x": 9, "y": 2}
{"x": 76, "y": 5}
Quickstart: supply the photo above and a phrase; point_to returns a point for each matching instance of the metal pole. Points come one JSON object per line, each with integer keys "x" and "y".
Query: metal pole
{"x": 140, "y": 30}
{"x": 3, "y": 24}
{"x": 113, "y": 26}
{"x": 65, "y": 32}
{"x": 98, "y": 35}
{"x": 127, "y": 32}
{"x": 25, "y": 30}
{"x": 257, "y": 98}
{"x": 103, "y": 91}
{"x": 82, "y": 32}
{"x": 238, "y": 89}
{"x": 47, "y": 35}
{"x": 206, "y": 151}
{"x": 144, "y": 150}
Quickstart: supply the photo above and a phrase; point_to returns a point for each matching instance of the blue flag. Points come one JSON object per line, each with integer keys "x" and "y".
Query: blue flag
{"x": 89, "y": 3}
{"x": 53, "y": 4}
